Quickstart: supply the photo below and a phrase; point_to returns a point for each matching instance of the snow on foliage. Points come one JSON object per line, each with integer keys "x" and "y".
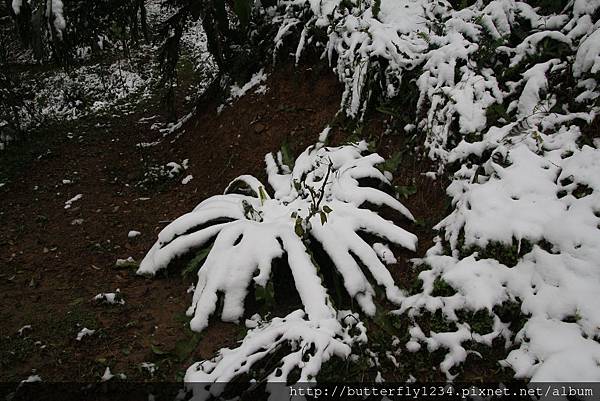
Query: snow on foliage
{"x": 503, "y": 91}
{"x": 321, "y": 199}
{"x": 78, "y": 93}
{"x": 442, "y": 50}
{"x": 111, "y": 298}
{"x": 16, "y": 6}
{"x": 312, "y": 344}
{"x": 54, "y": 13}
{"x": 84, "y": 332}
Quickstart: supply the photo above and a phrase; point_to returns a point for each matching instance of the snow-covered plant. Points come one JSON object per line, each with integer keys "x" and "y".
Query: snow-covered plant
{"x": 323, "y": 199}
{"x": 310, "y": 344}
{"x": 458, "y": 59}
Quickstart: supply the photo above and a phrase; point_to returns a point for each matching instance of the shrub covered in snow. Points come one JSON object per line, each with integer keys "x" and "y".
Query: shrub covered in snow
{"x": 320, "y": 200}
{"x": 323, "y": 199}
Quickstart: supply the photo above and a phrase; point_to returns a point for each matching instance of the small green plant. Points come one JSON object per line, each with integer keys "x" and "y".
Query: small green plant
{"x": 480, "y": 321}
{"x": 406, "y": 191}
{"x": 392, "y": 163}
{"x": 442, "y": 289}
{"x": 195, "y": 263}
{"x": 376, "y": 8}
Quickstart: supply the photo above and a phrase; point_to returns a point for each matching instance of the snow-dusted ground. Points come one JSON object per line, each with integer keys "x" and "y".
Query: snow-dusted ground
{"x": 82, "y": 90}
{"x": 503, "y": 92}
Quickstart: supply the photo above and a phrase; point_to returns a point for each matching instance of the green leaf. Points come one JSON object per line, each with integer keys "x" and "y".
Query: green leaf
{"x": 392, "y": 163}
{"x": 391, "y": 111}
{"x": 265, "y": 296}
{"x": 406, "y": 191}
{"x": 382, "y": 319}
{"x": 424, "y": 36}
{"x": 194, "y": 265}
{"x": 327, "y": 209}
{"x": 262, "y": 195}
{"x": 376, "y": 8}
{"x": 184, "y": 348}
{"x": 158, "y": 351}
{"x": 286, "y": 154}
{"x": 76, "y": 301}
{"x": 323, "y": 217}
{"x": 298, "y": 227}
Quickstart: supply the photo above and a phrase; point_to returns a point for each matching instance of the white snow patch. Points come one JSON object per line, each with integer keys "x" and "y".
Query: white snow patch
{"x": 187, "y": 179}
{"x": 108, "y": 375}
{"x": 132, "y": 234}
{"x": 69, "y": 203}
{"x": 84, "y": 332}
{"x": 111, "y": 298}
{"x": 23, "y": 329}
{"x": 149, "y": 367}
{"x": 124, "y": 262}
{"x": 236, "y": 92}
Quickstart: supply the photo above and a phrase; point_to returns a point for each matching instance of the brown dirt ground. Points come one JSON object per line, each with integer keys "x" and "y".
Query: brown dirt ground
{"x": 51, "y": 268}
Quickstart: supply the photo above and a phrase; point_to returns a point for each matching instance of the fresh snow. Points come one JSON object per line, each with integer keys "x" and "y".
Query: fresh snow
{"x": 16, "y": 6}
{"x": 525, "y": 182}
{"x": 69, "y": 202}
{"x": 54, "y": 11}
{"x": 328, "y": 338}
{"x": 149, "y": 367}
{"x": 23, "y": 329}
{"x": 84, "y": 332}
{"x": 251, "y": 229}
{"x": 125, "y": 262}
{"x": 131, "y": 234}
{"x": 187, "y": 179}
{"x": 108, "y": 375}
{"x": 111, "y": 298}
{"x": 31, "y": 379}
{"x": 236, "y": 92}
